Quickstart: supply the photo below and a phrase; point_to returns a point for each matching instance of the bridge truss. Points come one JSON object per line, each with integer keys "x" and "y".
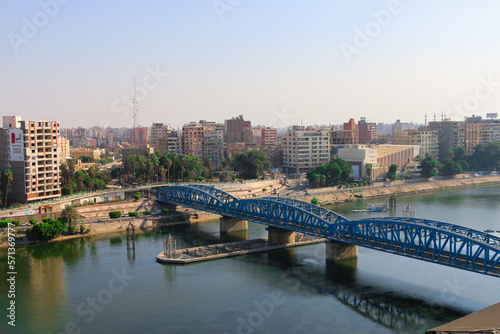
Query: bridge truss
{"x": 432, "y": 241}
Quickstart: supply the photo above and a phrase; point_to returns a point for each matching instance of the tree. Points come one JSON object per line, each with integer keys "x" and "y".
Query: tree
{"x": 79, "y": 176}
{"x": 137, "y": 196}
{"x": 392, "y": 172}
{"x": 429, "y": 167}
{"x": 168, "y": 164}
{"x": 8, "y": 177}
{"x": 451, "y": 168}
{"x": 315, "y": 201}
{"x": 250, "y": 164}
{"x": 68, "y": 215}
{"x": 458, "y": 153}
{"x": 182, "y": 161}
{"x": 207, "y": 162}
{"x": 174, "y": 162}
{"x": 330, "y": 174}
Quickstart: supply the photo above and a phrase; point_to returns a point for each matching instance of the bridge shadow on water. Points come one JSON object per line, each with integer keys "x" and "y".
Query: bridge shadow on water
{"x": 340, "y": 280}
{"x": 310, "y": 274}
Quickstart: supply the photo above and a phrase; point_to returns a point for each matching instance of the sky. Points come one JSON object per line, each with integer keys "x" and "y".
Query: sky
{"x": 277, "y": 62}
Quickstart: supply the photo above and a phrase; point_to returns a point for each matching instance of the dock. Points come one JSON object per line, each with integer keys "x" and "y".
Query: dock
{"x": 485, "y": 321}
{"x": 230, "y": 249}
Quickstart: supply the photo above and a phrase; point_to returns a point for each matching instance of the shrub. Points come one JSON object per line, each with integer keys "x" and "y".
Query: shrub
{"x": 264, "y": 189}
{"x": 137, "y": 196}
{"x": 47, "y": 220}
{"x": 16, "y": 222}
{"x": 33, "y": 221}
{"x": 147, "y": 212}
{"x": 164, "y": 211}
{"x": 314, "y": 201}
{"x": 82, "y": 229}
{"x": 4, "y": 223}
{"x": 115, "y": 214}
{"x": 133, "y": 213}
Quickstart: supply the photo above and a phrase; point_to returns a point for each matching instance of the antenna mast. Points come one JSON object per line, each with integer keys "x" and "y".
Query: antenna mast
{"x": 136, "y": 116}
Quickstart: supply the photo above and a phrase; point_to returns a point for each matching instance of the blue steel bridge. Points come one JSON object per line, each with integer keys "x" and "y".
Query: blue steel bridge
{"x": 438, "y": 242}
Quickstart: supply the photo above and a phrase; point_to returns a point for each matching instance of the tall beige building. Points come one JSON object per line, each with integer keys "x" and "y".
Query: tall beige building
{"x": 30, "y": 150}
{"x": 428, "y": 141}
{"x": 305, "y": 148}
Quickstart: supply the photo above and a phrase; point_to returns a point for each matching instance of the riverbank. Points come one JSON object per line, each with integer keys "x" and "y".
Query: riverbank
{"x": 333, "y": 195}
{"x": 120, "y": 225}
{"x": 326, "y": 196}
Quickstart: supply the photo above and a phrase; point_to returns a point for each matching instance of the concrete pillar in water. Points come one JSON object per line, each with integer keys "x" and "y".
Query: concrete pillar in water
{"x": 338, "y": 251}
{"x": 280, "y": 236}
{"x": 232, "y": 225}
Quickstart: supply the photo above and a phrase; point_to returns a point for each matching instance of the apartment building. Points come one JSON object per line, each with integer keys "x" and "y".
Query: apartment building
{"x": 30, "y": 150}
{"x": 428, "y": 140}
{"x": 305, "y": 148}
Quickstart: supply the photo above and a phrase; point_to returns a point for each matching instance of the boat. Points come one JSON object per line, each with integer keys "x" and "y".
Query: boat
{"x": 489, "y": 231}
{"x": 380, "y": 207}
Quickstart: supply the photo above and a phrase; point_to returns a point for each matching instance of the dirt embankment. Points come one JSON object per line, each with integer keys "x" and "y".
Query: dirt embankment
{"x": 335, "y": 195}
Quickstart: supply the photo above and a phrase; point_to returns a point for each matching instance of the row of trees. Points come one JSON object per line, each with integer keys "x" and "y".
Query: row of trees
{"x": 73, "y": 181}
{"x": 335, "y": 171}
{"x": 168, "y": 167}
{"x": 50, "y": 228}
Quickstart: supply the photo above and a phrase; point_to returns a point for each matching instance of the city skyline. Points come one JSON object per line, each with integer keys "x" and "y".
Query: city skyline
{"x": 278, "y": 65}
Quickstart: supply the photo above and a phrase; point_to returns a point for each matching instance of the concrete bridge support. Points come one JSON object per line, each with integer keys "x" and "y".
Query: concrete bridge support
{"x": 280, "y": 236}
{"x": 338, "y": 251}
{"x": 232, "y": 225}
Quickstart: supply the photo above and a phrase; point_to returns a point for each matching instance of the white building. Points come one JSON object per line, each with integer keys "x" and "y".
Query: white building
{"x": 305, "y": 148}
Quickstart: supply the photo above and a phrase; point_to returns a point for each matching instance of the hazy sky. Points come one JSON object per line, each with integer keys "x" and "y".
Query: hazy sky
{"x": 275, "y": 62}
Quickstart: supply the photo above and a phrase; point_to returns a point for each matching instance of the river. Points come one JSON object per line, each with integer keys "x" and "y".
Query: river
{"x": 99, "y": 285}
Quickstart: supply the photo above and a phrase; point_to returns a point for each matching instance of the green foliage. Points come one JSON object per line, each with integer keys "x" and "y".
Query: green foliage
{"x": 137, "y": 196}
{"x": 264, "y": 189}
{"x": 47, "y": 230}
{"x": 486, "y": 157}
{"x": 116, "y": 172}
{"x": 133, "y": 213}
{"x": 250, "y": 164}
{"x": 47, "y": 219}
{"x": 226, "y": 176}
{"x": 314, "y": 201}
{"x": 33, "y": 221}
{"x": 392, "y": 172}
{"x": 330, "y": 174}
{"x": 450, "y": 168}
{"x": 429, "y": 167}
{"x": 16, "y": 222}
{"x": 115, "y": 214}
{"x": 164, "y": 211}
{"x": 86, "y": 159}
{"x": 147, "y": 212}
{"x": 4, "y": 223}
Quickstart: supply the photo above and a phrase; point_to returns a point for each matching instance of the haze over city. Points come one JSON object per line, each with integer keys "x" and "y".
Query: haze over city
{"x": 279, "y": 63}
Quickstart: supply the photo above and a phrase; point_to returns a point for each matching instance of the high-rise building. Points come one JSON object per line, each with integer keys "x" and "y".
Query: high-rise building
{"x": 269, "y": 136}
{"x": 428, "y": 141}
{"x": 192, "y": 139}
{"x": 157, "y": 131}
{"x": 367, "y": 132}
{"x": 171, "y": 143}
{"x": 30, "y": 150}
{"x": 238, "y": 130}
{"x": 450, "y": 134}
{"x": 204, "y": 140}
{"x": 305, "y": 148}
{"x": 350, "y": 133}
{"x": 480, "y": 131}
{"x": 139, "y": 136}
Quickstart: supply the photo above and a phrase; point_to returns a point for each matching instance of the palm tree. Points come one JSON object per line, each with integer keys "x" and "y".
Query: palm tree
{"x": 182, "y": 161}
{"x": 8, "y": 177}
{"x": 174, "y": 161}
{"x": 69, "y": 214}
{"x": 168, "y": 164}
{"x": 79, "y": 180}
{"x": 72, "y": 168}
{"x": 162, "y": 171}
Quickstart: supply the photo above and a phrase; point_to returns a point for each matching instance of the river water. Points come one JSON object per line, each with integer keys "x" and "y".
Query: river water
{"x": 99, "y": 285}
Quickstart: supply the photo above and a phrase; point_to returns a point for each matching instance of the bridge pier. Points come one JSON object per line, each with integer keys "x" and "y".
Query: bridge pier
{"x": 338, "y": 251}
{"x": 232, "y": 225}
{"x": 280, "y": 236}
